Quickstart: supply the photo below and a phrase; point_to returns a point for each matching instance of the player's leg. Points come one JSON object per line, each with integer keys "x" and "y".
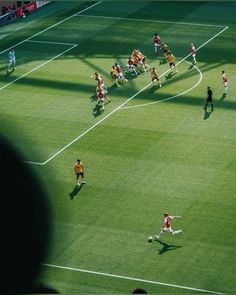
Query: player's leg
{"x": 82, "y": 176}
{"x": 175, "y": 232}
{"x": 225, "y": 87}
{"x": 77, "y": 179}
{"x": 160, "y": 234}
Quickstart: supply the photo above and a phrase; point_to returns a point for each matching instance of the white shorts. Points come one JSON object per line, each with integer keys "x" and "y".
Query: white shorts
{"x": 226, "y": 83}
{"x": 169, "y": 229}
{"x": 156, "y": 44}
{"x": 120, "y": 75}
{"x": 194, "y": 55}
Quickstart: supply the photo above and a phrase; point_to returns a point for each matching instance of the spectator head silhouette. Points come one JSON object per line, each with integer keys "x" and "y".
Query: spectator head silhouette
{"x": 25, "y": 223}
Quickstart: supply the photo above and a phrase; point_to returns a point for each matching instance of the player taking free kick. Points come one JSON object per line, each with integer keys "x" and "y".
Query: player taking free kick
{"x": 167, "y": 226}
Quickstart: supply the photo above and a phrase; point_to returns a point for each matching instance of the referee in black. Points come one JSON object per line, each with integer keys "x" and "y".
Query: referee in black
{"x": 209, "y": 98}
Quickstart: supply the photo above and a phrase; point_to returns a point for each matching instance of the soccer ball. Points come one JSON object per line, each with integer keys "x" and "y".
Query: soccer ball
{"x": 150, "y": 239}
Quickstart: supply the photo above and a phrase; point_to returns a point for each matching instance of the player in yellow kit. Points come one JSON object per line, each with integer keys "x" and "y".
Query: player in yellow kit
{"x": 155, "y": 77}
{"x": 114, "y": 76}
{"x": 79, "y": 171}
{"x": 171, "y": 60}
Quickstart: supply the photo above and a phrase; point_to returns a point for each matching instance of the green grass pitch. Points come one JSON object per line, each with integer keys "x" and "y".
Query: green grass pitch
{"x": 150, "y": 151}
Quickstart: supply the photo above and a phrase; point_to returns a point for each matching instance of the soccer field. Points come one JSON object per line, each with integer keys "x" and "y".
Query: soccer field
{"x": 152, "y": 150}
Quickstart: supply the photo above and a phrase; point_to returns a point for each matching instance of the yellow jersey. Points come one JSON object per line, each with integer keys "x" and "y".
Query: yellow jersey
{"x": 78, "y": 167}
{"x": 171, "y": 58}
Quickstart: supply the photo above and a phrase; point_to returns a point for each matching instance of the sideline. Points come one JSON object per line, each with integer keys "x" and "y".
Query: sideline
{"x": 52, "y": 26}
{"x": 130, "y": 278}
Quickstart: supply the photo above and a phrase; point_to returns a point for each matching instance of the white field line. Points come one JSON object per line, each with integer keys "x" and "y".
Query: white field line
{"x": 50, "y": 42}
{"x": 119, "y": 107}
{"x": 52, "y": 26}
{"x": 151, "y": 21}
{"x": 29, "y": 40}
{"x": 38, "y": 67}
{"x": 131, "y": 279}
{"x": 171, "y": 97}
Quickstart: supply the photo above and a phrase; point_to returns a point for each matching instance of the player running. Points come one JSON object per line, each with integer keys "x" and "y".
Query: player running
{"x": 114, "y": 76}
{"x": 165, "y": 49}
{"x": 100, "y": 89}
{"x": 157, "y": 42}
{"x": 225, "y": 81}
{"x": 100, "y": 84}
{"x": 100, "y": 99}
{"x": 166, "y": 227}
{"x": 11, "y": 61}
{"x": 79, "y": 171}
{"x": 193, "y": 51}
{"x": 171, "y": 59}
{"x": 155, "y": 77}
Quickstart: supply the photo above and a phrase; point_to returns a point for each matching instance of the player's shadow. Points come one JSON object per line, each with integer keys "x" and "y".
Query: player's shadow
{"x": 93, "y": 97}
{"x": 162, "y": 61}
{"x": 223, "y": 96}
{"x": 166, "y": 247}
{"x": 75, "y": 191}
{"x": 207, "y": 114}
{"x": 9, "y": 72}
{"x": 130, "y": 76}
{"x": 170, "y": 75}
{"x": 97, "y": 110}
{"x": 153, "y": 88}
{"x": 190, "y": 67}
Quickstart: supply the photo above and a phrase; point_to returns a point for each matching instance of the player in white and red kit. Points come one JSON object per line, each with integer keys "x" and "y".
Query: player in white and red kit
{"x": 119, "y": 72}
{"x": 130, "y": 67}
{"x": 166, "y": 227}
{"x": 225, "y": 81}
{"x": 193, "y": 50}
{"x": 157, "y": 42}
{"x": 100, "y": 98}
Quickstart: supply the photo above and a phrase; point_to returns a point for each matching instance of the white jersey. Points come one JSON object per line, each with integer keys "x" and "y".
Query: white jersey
{"x": 12, "y": 56}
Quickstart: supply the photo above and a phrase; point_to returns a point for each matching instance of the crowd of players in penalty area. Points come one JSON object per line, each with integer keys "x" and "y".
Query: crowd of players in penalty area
{"x": 137, "y": 64}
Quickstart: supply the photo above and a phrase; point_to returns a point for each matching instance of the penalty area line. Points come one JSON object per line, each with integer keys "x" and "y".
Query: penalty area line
{"x": 171, "y": 97}
{"x": 50, "y": 42}
{"x": 125, "y": 102}
{"x": 130, "y": 278}
{"x": 38, "y": 67}
{"x": 50, "y": 27}
{"x": 150, "y": 20}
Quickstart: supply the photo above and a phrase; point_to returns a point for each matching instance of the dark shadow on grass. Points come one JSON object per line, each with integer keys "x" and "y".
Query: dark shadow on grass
{"x": 130, "y": 76}
{"x": 162, "y": 61}
{"x": 190, "y": 67}
{"x": 93, "y": 97}
{"x": 166, "y": 247}
{"x": 75, "y": 191}
{"x": 223, "y": 96}
{"x": 9, "y": 72}
{"x": 170, "y": 75}
{"x": 207, "y": 114}
{"x": 152, "y": 89}
{"x": 97, "y": 110}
